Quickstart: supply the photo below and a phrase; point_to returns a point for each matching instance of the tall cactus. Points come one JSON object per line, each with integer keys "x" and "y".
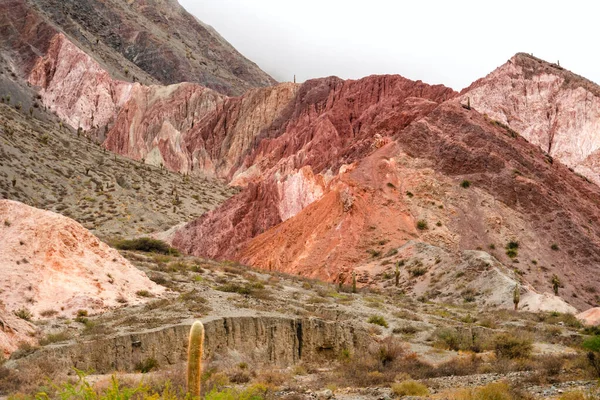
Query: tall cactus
{"x": 194, "y": 367}
{"x": 516, "y": 296}
{"x": 353, "y": 281}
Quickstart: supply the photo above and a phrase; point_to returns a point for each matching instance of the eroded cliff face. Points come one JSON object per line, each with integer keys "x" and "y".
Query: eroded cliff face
{"x": 152, "y": 124}
{"x": 75, "y": 87}
{"x": 192, "y": 129}
{"x": 272, "y": 341}
{"x": 549, "y": 106}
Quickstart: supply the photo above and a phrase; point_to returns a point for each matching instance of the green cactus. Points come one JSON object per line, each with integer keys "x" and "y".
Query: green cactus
{"x": 555, "y": 284}
{"x": 397, "y": 274}
{"x": 194, "y": 367}
{"x": 516, "y": 296}
{"x": 353, "y": 281}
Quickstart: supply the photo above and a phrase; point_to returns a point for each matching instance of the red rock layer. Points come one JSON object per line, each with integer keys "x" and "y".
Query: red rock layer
{"x": 329, "y": 124}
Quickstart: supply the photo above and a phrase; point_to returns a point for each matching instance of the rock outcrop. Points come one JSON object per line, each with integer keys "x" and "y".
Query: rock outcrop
{"x": 590, "y": 317}
{"x": 546, "y": 104}
{"x": 52, "y": 266}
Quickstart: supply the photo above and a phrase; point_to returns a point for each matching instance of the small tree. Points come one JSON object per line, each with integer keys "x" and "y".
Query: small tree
{"x": 516, "y": 296}
{"x": 555, "y": 284}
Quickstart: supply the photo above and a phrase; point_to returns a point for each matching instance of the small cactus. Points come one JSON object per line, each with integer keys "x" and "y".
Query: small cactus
{"x": 353, "y": 281}
{"x": 555, "y": 284}
{"x": 516, "y": 296}
{"x": 194, "y": 366}
{"x": 14, "y": 182}
{"x": 397, "y": 274}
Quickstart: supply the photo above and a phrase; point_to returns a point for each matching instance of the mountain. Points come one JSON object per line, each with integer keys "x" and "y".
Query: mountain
{"x": 150, "y": 41}
{"x": 548, "y": 105}
{"x": 334, "y": 176}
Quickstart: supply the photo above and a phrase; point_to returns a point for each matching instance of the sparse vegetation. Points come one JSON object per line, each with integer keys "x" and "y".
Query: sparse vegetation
{"x": 378, "y": 320}
{"x": 511, "y": 346}
{"x": 409, "y": 388}
{"x": 422, "y": 225}
{"x": 147, "y": 245}
{"x": 465, "y": 184}
{"x": 23, "y": 313}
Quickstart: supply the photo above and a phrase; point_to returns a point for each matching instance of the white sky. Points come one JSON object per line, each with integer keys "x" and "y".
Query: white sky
{"x": 453, "y": 42}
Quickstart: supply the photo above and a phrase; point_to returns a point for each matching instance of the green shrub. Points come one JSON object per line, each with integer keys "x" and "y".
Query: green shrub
{"x": 422, "y": 225}
{"x": 465, "y": 184}
{"x": 592, "y": 344}
{"x": 147, "y": 365}
{"x": 510, "y": 346}
{"x": 147, "y": 245}
{"x": 410, "y": 388}
{"x": 378, "y": 320}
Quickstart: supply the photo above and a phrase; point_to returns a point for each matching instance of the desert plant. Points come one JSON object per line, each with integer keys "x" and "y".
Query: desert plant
{"x": 554, "y": 247}
{"x": 516, "y": 296}
{"x": 592, "y": 345}
{"x": 555, "y": 284}
{"x": 510, "y": 346}
{"x": 378, "y": 320}
{"x": 194, "y": 366}
{"x": 147, "y": 245}
{"x": 397, "y": 274}
{"x": 23, "y": 313}
{"x": 421, "y": 225}
{"x": 353, "y": 281}
{"x": 465, "y": 184}
{"x": 147, "y": 365}
{"x": 409, "y": 388}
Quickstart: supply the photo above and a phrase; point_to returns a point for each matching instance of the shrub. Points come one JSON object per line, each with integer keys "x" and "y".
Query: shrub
{"x": 492, "y": 391}
{"x": 378, "y": 320}
{"x": 510, "y": 346}
{"x": 147, "y": 365}
{"x": 421, "y": 225}
{"x": 254, "y": 392}
{"x": 592, "y": 345}
{"x": 465, "y": 184}
{"x": 409, "y": 388}
{"x": 55, "y": 338}
{"x": 512, "y": 245}
{"x": 23, "y": 313}
{"x": 147, "y": 245}
{"x": 554, "y": 247}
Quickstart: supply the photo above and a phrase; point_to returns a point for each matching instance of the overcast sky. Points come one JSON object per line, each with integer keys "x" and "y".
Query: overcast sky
{"x": 437, "y": 41}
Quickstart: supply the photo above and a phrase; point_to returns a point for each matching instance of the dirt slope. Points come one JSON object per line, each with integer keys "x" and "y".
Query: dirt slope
{"x": 51, "y": 262}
